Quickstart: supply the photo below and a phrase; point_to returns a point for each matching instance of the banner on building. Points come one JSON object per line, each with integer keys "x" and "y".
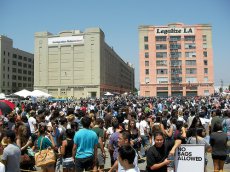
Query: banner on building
{"x": 66, "y": 40}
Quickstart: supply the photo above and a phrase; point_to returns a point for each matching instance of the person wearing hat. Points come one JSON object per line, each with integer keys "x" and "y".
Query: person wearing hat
{"x": 11, "y": 154}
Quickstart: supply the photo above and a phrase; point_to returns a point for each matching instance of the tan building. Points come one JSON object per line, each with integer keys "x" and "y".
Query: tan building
{"x": 79, "y": 64}
{"x": 175, "y": 60}
{"x": 16, "y": 67}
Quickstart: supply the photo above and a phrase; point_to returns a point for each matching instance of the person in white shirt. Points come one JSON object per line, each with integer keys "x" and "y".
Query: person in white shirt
{"x": 144, "y": 127}
{"x": 33, "y": 124}
{"x": 126, "y": 158}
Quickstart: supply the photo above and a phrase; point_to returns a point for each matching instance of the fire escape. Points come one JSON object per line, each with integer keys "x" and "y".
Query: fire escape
{"x": 175, "y": 64}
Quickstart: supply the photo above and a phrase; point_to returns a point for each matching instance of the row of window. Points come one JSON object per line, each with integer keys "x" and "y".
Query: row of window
{"x": 165, "y": 71}
{"x": 163, "y": 80}
{"x": 176, "y": 54}
{"x": 176, "y": 63}
{"x": 20, "y": 78}
{"x": 18, "y": 57}
{"x": 189, "y": 46}
{"x": 14, "y": 84}
{"x": 175, "y": 38}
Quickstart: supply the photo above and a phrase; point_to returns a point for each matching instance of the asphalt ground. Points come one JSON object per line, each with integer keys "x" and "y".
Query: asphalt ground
{"x": 142, "y": 164}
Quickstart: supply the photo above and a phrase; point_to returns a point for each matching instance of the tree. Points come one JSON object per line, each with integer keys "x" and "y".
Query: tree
{"x": 221, "y": 89}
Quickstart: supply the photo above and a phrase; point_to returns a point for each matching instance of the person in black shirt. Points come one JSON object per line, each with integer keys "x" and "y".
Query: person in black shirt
{"x": 157, "y": 155}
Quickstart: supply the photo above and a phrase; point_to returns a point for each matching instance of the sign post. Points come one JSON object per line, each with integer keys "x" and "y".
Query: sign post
{"x": 190, "y": 158}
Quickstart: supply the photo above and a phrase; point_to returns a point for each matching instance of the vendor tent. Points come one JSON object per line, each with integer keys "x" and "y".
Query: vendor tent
{"x": 38, "y": 93}
{"x": 23, "y": 93}
{"x": 108, "y": 94}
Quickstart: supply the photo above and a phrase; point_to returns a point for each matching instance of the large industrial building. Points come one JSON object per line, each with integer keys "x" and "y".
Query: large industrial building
{"x": 16, "y": 67}
{"x": 79, "y": 64}
{"x": 176, "y": 60}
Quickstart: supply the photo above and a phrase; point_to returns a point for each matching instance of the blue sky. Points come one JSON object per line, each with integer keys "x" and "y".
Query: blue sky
{"x": 119, "y": 19}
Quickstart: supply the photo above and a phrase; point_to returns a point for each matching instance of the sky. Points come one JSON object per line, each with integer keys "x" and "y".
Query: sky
{"x": 119, "y": 20}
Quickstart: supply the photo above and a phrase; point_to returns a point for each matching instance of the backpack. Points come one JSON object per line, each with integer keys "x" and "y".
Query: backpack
{"x": 225, "y": 128}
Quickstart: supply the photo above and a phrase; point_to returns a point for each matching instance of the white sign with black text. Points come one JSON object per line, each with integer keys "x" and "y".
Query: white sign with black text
{"x": 190, "y": 158}
{"x": 66, "y": 40}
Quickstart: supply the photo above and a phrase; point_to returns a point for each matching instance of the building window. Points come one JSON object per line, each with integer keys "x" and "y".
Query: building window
{"x": 19, "y": 84}
{"x": 191, "y": 71}
{"x": 147, "y": 80}
{"x": 205, "y": 79}
{"x": 19, "y": 70}
{"x": 25, "y": 58}
{"x": 160, "y": 38}
{"x": 14, "y": 56}
{"x": 146, "y": 39}
{"x": 19, "y": 78}
{"x": 189, "y": 38}
{"x": 146, "y": 63}
{"x": 20, "y": 57}
{"x": 175, "y": 54}
{"x": 191, "y": 80}
{"x": 205, "y": 62}
{"x": 205, "y": 53}
{"x": 20, "y": 64}
{"x": 147, "y": 71}
{"x": 175, "y": 46}
{"x": 204, "y": 37}
{"x": 14, "y": 77}
{"x": 146, "y": 55}
{"x": 14, "y": 63}
{"x": 190, "y": 54}
{"x": 175, "y": 38}
{"x": 29, "y": 60}
{"x": 204, "y": 45}
{"x": 24, "y": 78}
{"x": 24, "y": 72}
{"x": 176, "y": 71}
{"x": 146, "y": 46}
{"x": 29, "y": 72}
{"x": 4, "y": 52}
{"x": 25, "y": 65}
{"x": 205, "y": 70}
{"x": 176, "y": 80}
{"x": 161, "y": 46}
{"x": 8, "y": 54}
{"x": 176, "y": 63}
{"x": 161, "y": 62}
{"x": 161, "y": 54}
{"x": 29, "y": 66}
{"x": 162, "y": 71}
{"x": 190, "y": 46}
{"x": 162, "y": 80}
{"x": 190, "y": 62}
{"x": 206, "y": 92}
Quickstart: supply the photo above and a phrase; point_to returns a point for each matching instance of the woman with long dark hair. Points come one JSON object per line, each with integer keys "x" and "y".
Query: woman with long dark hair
{"x": 218, "y": 141}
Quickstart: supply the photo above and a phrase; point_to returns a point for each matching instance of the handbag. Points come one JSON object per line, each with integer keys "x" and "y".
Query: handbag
{"x": 44, "y": 157}
{"x": 25, "y": 159}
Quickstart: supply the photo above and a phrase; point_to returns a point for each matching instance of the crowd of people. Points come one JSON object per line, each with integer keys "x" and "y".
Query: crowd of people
{"x": 130, "y": 128}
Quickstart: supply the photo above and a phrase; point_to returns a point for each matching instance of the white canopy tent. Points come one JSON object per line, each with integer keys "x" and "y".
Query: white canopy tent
{"x": 23, "y": 93}
{"x": 2, "y": 96}
{"x": 108, "y": 94}
{"x": 38, "y": 93}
